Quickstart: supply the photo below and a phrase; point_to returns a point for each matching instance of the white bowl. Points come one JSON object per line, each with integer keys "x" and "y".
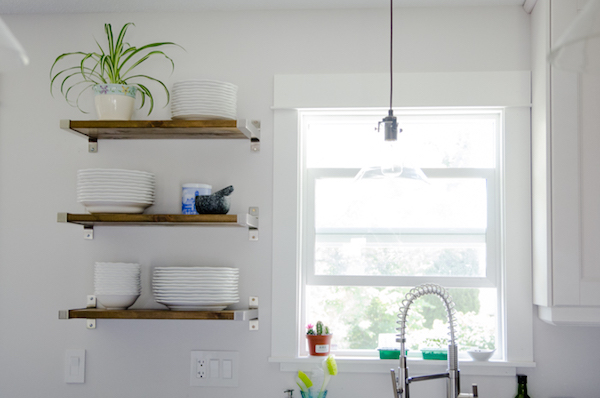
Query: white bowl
{"x": 481, "y": 355}
{"x": 117, "y": 301}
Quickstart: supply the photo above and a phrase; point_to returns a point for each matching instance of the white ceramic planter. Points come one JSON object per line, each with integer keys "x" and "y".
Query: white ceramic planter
{"x": 114, "y": 101}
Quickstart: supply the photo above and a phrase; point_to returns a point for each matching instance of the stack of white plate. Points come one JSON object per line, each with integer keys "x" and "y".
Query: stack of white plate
{"x": 115, "y": 190}
{"x": 203, "y": 99}
{"x": 117, "y": 285}
{"x": 196, "y": 288}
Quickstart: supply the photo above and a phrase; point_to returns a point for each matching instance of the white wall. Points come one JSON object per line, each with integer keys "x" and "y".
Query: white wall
{"x": 46, "y": 266}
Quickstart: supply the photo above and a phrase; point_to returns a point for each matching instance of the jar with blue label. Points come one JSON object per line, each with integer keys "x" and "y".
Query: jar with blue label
{"x": 188, "y": 196}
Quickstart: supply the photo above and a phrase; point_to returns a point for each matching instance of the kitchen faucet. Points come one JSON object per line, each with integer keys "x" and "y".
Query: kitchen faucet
{"x": 401, "y": 382}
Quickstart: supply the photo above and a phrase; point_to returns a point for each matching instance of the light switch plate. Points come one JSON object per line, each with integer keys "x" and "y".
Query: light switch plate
{"x": 75, "y": 366}
{"x": 214, "y": 368}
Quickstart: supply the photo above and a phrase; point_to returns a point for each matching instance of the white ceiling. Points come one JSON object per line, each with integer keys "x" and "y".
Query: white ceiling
{"x": 114, "y": 6}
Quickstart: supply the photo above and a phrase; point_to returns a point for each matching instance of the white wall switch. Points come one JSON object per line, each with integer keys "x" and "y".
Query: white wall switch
{"x": 75, "y": 366}
{"x": 214, "y": 368}
{"x": 227, "y": 369}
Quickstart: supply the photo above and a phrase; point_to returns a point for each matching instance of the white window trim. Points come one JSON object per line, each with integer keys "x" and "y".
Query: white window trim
{"x": 509, "y": 90}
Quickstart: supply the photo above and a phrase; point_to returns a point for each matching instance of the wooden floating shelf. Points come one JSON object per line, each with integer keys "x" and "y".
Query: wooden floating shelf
{"x": 96, "y": 130}
{"x": 96, "y": 313}
{"x": 122, "y": 219}
{"x": 163, "y": 129}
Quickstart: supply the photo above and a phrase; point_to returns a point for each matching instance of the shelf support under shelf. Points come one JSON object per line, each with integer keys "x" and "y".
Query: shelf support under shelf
{"x": 91, "y": 314}
{"x": 251, "y": 129}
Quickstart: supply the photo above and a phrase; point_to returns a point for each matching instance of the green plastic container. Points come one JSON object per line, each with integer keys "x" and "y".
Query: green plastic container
{"x": 389, "y": 353}
{"x": 435, "y": 353}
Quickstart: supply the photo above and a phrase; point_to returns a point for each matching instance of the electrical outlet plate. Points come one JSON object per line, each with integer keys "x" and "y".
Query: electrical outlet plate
{"x": 214, "y": 368}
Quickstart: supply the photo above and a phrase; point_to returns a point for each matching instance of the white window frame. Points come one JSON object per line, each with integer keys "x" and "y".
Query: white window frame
{"x": 507, "y": 90}
{"x": 492, "y": 176}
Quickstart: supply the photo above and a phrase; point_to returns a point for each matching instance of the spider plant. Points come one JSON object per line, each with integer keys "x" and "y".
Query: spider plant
{"x": 115, "y": 65}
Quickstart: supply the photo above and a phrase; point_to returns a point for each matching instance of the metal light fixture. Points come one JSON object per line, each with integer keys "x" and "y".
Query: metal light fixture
{"x": 392, "y": 165}
{"x": 12, "y": 55}
{"x": 578, "y": 49}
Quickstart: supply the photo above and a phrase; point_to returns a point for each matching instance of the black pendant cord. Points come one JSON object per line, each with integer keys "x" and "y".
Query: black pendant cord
{"x": 391, "y": 50}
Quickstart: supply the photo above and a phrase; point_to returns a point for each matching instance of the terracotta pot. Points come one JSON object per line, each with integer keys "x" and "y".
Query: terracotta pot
{"x": 319, "y": 345}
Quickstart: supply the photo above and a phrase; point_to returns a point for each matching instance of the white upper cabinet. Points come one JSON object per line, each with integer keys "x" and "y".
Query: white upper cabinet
{"x": 566, "y": 184}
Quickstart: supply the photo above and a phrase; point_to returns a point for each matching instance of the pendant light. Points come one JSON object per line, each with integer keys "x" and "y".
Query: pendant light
{"x": 578, "y": 49}
{"x": 12, "y": 55}
{"x": 392, "y": 165}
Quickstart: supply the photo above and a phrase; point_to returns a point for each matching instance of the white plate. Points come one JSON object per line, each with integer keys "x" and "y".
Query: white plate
{"x": 114, "y": 171}
{"x": 115, "y": 184}
{"x": 115, "y": 202}
{"x": 204, "y": 99}
{"x": 202, "y": 268}
{"x": 204, "y": 84}
{"x": 116, "y": 198}
{"x": 127, "y": 196}
{"x": 113, "y": 273}
{"x": 116, "y": 181}
{"x": 202, "y": 117}
{"x": 198, "y": 286}
{"x": 115, "y": 176}
{"x": 196, "y": 274}
{"x": 204, "y": 105}
{"x": 199, "y": 103}
{"x": 163, "y": 292}
{"x": 197, "y": 307}
{"x": 197, "y": 281}
{"x": 178, "y": 274}
{"x": 195, "y": 278}
{"x": 115, "y": 207}
{"x": 198, "y": 88}
{"x": 107, "y": 264}
{"x": 195, "y": 302}
{"x": 208, "y": 95}
{"x": 217, "y": 300}
{"x": 91, "y": 189}
{"x": 210, "y": 109}
{"x": 202, "y": 110}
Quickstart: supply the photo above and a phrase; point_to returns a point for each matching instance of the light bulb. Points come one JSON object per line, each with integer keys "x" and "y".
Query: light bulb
{"x": 391, "y": 161}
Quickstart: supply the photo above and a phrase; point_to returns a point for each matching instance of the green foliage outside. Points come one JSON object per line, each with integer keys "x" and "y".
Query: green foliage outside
{"x": 360, "y": 314}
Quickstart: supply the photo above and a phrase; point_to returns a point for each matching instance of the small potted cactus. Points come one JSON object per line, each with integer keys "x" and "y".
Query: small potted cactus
{"x": 319, "y": 339}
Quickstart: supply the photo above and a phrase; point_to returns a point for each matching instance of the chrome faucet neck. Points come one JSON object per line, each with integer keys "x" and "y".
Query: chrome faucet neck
{"x": 401, "y": 381}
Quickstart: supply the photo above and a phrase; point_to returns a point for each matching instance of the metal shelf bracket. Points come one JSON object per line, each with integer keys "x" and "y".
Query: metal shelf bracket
{"x": 253, "y": 304}
{"x": 90, "y": 303}
{"x": 88, "y": 232}
{"x": 252, "y": 221}
{"x": 251, "y": 129}
{"x": 92, "y": 145}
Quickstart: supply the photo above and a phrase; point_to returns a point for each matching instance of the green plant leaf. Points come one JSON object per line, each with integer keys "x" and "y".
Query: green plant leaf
{"x": 106, "y": 65}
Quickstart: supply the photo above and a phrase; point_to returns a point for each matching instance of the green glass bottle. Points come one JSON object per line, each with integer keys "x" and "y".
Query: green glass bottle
{"x": 522, "y": 387}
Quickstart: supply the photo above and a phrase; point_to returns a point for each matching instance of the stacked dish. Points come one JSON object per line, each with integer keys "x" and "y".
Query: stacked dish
{"x": 117, "y": 285}
{"x": 115, "y": 190}
{"x": 203, "y": 99}
{"x": 196, "y": 288}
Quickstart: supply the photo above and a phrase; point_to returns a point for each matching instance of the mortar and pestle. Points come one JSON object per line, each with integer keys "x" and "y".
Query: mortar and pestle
{"x": 216, "y": 203}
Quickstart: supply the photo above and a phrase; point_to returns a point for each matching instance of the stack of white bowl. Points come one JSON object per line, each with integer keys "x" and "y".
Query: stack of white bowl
{"x": 115, "y": 190}
{"x": 196, "y": 288}
{"x": 117, "y": 285}
{"x": 203, "y": 99}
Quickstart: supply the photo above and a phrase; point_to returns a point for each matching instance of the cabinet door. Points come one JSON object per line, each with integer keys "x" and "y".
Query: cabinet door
{"x": 566, "y": 190}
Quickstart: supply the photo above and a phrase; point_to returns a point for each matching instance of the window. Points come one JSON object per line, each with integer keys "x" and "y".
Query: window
{"x": 367, "y": 241}
{"x": 501, "y": 272}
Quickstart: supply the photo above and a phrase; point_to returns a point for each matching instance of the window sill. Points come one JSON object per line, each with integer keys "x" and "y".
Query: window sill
{"x": 417, "y": 366}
